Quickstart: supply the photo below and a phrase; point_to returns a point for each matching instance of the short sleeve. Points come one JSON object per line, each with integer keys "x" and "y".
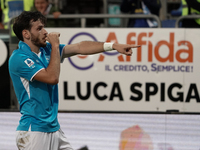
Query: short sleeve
{"x": 61, "y": 46}
{"x": 23, "y": 66}
{"x": 48, "y": 47}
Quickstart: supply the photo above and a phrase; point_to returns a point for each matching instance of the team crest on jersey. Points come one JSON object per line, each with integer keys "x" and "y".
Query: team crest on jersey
{"x": 29, "y": 62}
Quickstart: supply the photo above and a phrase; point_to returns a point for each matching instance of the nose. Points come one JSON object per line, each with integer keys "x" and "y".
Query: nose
{"x": 45, "y": 32}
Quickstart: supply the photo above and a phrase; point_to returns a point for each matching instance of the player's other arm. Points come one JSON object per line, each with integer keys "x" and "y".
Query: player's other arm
{"x": 91, "y": 47}
{"x": 51, "y": 74}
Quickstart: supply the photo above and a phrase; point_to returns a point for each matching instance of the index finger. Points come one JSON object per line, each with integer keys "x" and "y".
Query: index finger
{"x": 135, "y": 46}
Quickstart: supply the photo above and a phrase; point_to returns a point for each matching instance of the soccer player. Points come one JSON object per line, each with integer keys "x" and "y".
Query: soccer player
{"x": 34, "y": 69}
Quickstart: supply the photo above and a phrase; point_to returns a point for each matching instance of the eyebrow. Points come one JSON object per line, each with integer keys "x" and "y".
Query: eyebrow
{"x": 39, "y": 26}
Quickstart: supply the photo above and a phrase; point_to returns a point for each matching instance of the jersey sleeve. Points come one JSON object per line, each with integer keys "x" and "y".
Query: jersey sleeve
{"x": 25, "y": 67}
{"x": 61, "y": 46}
{"x": 48, "y": 47}
{"x": 61, "y": 52}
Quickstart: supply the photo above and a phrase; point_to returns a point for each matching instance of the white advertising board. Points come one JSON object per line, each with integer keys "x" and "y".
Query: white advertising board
{"x": 111, "y": 131}
{"x": 161, "y": 75}
{"x": 4, "y": 53}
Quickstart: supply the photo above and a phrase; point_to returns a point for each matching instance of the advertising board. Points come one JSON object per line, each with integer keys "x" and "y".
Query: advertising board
{"x": 122, "y": 131}
{"x": 161, "y": 75}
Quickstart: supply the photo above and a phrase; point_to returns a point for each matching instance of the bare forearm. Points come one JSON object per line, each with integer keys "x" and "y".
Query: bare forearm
{"x": 54, "y": 65}
{"x": 90, "y": 47}
{"x": 83, "y": 48}
{"x": 51, "y": 74}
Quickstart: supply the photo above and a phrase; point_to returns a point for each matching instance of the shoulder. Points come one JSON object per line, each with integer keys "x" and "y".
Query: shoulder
{"x": 17, "y": 60}
{"x": 16, "y": 55}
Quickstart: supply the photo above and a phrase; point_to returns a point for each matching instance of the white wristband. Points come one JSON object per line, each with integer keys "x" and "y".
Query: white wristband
{"x": 108, "y": 46}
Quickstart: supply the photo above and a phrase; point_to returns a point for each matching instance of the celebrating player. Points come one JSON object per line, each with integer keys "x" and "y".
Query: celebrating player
{"x": 34, "y": 69}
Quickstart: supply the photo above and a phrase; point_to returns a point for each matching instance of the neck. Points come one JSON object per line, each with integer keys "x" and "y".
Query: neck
{"x": 33, "y": 47}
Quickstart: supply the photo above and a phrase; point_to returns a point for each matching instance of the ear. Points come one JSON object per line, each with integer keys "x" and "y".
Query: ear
{"x": 26, "y": 34}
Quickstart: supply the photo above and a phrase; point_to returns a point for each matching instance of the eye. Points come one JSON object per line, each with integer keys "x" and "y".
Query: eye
{"x": 40, "y": 28}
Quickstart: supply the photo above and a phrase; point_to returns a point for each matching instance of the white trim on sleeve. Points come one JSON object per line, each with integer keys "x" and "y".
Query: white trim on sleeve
{"x": 35, "y": 74}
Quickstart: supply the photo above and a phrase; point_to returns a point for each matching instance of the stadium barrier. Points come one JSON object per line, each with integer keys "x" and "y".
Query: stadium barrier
{"x": 178, "y": 21}
{"x": 84, "y": 17}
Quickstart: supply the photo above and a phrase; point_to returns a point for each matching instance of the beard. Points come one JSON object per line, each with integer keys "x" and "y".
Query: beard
{"x": 36, "y": 41}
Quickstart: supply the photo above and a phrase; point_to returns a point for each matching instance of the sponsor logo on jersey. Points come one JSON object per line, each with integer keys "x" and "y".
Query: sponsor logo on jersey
{"x": 29, "y": 62}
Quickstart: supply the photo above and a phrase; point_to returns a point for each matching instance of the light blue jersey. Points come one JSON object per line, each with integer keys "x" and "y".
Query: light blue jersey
{"x": 38, "y": 101}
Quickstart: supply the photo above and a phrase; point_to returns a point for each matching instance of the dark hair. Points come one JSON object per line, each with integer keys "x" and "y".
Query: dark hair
{"x": 24, "y": 22}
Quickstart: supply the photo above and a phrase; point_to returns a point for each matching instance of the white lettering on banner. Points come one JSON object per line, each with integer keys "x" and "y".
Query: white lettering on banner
{"x": 4, "y": 53}
{"x": 154, "y": 68}
{"x": 162, "y": 74}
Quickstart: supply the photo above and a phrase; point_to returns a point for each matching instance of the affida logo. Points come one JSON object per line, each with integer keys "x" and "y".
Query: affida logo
{"x": 153, "y": 49}
{"x": 158, "y": 49}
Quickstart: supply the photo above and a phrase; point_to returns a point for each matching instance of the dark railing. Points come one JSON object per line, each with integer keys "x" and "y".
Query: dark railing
{"x": 84, "y": 17}
{"x": 178, "y": 21}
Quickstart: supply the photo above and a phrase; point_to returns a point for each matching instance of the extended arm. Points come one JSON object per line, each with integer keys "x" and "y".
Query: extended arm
{"x": 91, "y": 47}
{"x": 51, "y": 74}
